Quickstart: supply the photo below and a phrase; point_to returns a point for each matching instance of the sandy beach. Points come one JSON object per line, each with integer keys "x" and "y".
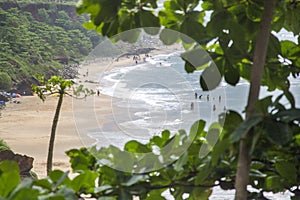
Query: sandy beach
{"x": 26, "y": 126}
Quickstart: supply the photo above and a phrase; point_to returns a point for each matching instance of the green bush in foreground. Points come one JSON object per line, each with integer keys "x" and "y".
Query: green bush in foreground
{"x": 275, "y": 165}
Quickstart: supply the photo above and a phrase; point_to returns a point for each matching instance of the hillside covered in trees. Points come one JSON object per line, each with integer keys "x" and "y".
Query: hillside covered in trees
{"x": 40, "y": 38}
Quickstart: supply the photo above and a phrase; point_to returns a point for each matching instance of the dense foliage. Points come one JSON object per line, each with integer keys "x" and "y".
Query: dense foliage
{"x": 240, "y": 37}
{"x": 42, "y": 40}
{"x": 5, "y": 81}
{"x": 273, "y": 168}
{"x": 230, "y": 37}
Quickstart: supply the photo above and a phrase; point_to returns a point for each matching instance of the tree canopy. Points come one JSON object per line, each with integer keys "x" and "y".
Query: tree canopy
{"x": 41, "y": 41}
{"x": 240, "y": 37}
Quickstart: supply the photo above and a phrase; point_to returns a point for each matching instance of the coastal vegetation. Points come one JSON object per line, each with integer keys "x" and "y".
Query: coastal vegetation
{"x": 40, "y": 38}
{"x": 260, "y": 150}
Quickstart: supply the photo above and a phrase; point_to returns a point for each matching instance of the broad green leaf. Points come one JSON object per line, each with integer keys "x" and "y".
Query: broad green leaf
{"x": 277, "y": 132}
{"x": 134, "y": 180}
{"x": 262, "y": 105}
{"x": 106, "y": 198}
{"x": 231, "y": 119}
{"x": 102, "y": 188}
{"x": 218, "y": 149}
{"x": 288, "y": 115}
{"x": 89, "y": 25}
{"x": 244, "y": 127}
{"x": 124, "y": 161}
{"x": 155, "y": 194}
{"x": 256, "y": 173}
{"x": 196, "y": 58}
{"x": 168, "y": 36}
{"x": 210, "y": 77}
{"x": 124, "y": 195}
{"x": 136, "y": 147}
{"x": 254, "y": 12}
{"x": 9, "y": 177}
{"x": 219, "y": 20}
{"x": 66, "y": 193}
{"x": 201, "y": 193}
{"x": 274, "y": 48}
{"x": 84, "y": 182}
{"x": 273, "y": 183}
{"x": 165, "y": 135}
{"x": 204, "y": 171}
{"x": 232, "y": 75}
{"x": 43, "y": 183}
{"x": 193, "y": 29}
{"x": 178, "y": 165}
{"x": 25, "y": 193}
{"x": 287, "y": 170}
{"x": 148, "y": 19}
{"x": 197, "y": 129}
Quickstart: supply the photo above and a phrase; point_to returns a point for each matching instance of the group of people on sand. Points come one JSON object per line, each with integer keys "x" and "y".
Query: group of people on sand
{"x": 136, "y": 58}
{"x": 200, "y": 96}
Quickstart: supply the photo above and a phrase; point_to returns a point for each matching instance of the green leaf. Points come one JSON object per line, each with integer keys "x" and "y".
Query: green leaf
{"x": 287, "y": 170}
{"x": 43, "y": 183}
{"x": 290, "y": 97}
{"x": 273, "y": 183}
{"x": 155, "y": 194}
{"x": 26, "y": 193}
{"x": 230, "y": 120}
{"x": 168, "y": 36}
{"x": 89, "y": 25}
{"x": 9, "y": 177}
{"x": 220, "y": 20}
{"x": 148, "y": 19}
{"x": 254, "y": 12}
{"x": 136, "y": 147}
{"x": 277, "y": 132}
{"x": 232, "y": 74}
{"x": 196, "y": 59}
{"x": 192, "y": 29}
{"x": 134, "y": 180}
{"x": 106, "y": 198}
{"x": 263, "y": 104}
{"x": 204, "y": 171}
{"x": 287, "y": 116}
{"x": 84, "y": 182}
{"x": 197, "y": 129}
{"x": 178, "y": 165}
{"x": 201, "y": 193}
{"x": 218, "y": 149}
{"x": 245, "y": 127}
{"x": 210, "y": 77}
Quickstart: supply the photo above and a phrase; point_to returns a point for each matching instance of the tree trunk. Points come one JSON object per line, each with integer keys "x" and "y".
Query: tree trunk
{"x": 52, "y": 136}
{"x": 260, "y": 51}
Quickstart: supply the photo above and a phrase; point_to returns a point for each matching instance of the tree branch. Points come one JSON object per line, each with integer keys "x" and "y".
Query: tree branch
{"x": 260, "y": 52}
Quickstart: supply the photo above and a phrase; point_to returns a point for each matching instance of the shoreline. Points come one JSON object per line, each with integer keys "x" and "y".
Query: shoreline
{"x": 25, "y": 127}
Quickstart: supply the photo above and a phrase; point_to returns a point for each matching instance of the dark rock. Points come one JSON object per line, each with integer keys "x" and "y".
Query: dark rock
{"x": 25, "y": 162}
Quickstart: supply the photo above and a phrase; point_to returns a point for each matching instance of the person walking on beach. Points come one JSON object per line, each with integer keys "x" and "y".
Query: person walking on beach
{"x": 207, "y": 97}
{"x": 214, "y": 107}
{"x": 196, "y": 95}
{"x": 192, "y": 106}
{"x": 98, "y": 92}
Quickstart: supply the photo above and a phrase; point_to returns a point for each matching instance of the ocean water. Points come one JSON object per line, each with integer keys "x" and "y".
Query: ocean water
{"x": 158, "y": 94}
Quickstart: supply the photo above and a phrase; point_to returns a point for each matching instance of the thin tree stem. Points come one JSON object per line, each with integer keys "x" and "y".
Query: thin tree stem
{"x": 53, "y": 131}
{"x": 260, "y": 52}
